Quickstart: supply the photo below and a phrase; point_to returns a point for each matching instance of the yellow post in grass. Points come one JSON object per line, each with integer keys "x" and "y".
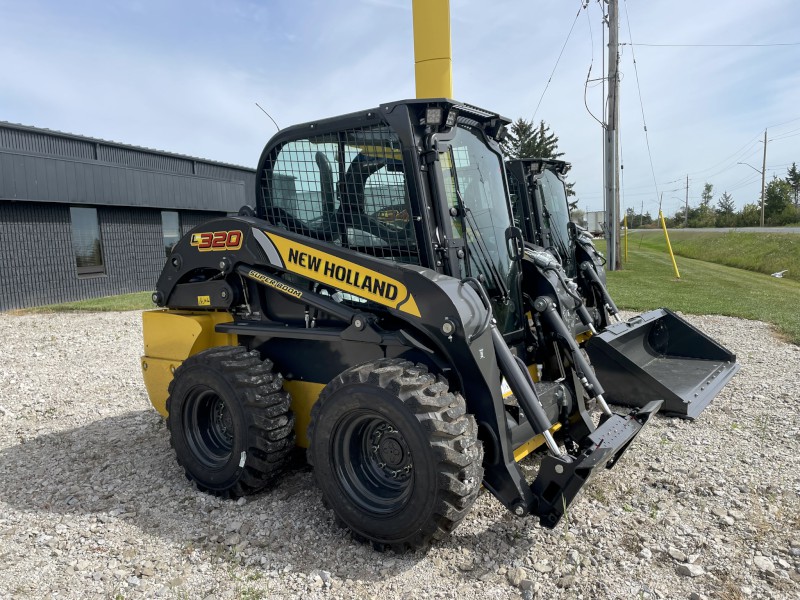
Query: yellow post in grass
{"x": 669, "y": 246}
{"x": 433, "y": 61}
{"x": 625, "y": 227}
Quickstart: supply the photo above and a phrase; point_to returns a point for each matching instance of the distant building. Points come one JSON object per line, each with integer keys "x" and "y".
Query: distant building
{"x": 83, "y": 218}
{"x": 595, "y": 221}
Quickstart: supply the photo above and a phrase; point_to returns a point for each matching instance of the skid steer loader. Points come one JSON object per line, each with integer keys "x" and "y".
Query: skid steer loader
{"x": 656, "y": 355}
{"x": 370, "y": 309}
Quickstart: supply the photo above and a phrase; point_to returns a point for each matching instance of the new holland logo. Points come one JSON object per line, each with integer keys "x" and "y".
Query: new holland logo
{"x": 344, "y": 275}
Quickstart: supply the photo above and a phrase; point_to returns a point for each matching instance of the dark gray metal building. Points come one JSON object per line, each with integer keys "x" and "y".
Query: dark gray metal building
{"x": 83, "y": 218}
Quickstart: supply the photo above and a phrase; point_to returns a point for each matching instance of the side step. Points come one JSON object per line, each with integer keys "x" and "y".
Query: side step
{"x": 658, "y": 355}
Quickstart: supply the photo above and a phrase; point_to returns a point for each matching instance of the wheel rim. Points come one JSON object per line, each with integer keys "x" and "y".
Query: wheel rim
{"x": 208, "y": 424}
{"x": 372, "y": 462}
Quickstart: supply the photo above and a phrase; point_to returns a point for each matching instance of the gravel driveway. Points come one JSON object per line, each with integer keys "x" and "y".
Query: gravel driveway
{"x": 93, "y": 504}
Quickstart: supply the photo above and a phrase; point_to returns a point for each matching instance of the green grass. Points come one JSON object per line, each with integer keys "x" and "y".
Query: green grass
{"x": 759, "y": 252}
{"x": 647, "y": 281}
{"x": 137, "y": 301}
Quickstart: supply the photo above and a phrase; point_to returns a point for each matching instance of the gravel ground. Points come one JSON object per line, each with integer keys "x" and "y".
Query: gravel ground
{"x": 93, "y": 504}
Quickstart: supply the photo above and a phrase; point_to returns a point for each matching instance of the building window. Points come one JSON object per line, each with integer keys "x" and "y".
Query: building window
{"x": 86, "y": 240}
{"x": 171, "y": 228}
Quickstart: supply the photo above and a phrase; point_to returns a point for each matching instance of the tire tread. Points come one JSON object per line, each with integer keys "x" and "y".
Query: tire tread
{"x": 269, "y": 419}
{"x": 452, "y": 436}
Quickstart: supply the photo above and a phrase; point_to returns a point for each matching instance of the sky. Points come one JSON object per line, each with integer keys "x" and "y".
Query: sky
{"x": 185, "y": 76}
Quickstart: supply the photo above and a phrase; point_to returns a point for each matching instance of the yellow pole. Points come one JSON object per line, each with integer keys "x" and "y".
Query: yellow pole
{"x": 669, "y": 246}
{"x": 625, "y": 226}
{"x": 433, "y": 60}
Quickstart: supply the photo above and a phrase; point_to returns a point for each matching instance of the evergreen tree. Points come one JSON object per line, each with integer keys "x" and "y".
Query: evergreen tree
{"x": 726, "y": 211}
{"x": 725, "y": 205}
{"x": 793, "y": 178}
{"x": 525, "y": 140}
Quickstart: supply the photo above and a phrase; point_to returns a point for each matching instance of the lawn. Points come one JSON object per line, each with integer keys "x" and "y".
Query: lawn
{"x": 137, "y": 301}
{"x": 761, "y": 252}
{"x": 647, "y": 281}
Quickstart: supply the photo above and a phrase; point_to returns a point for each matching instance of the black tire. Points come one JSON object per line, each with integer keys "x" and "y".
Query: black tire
{"x": 229, "y": 421}
{"x": 395, "y": 454}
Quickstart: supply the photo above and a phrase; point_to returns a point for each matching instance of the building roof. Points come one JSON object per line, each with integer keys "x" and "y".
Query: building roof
{"x": 10, "y": 143}
{"x": 51, "y": 166}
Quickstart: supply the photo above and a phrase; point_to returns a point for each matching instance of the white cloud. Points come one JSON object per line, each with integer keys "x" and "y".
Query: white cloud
{"x": 185, "y": 77}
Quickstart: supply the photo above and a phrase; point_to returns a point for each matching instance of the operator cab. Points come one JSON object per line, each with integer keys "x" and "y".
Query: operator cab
{"x": 547, "y": 223}
{"x": 416, "y": 182}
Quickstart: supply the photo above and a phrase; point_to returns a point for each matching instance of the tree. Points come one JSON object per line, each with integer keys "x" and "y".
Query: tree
{"x": 749, "y": 217}
{"x": 524, "y": 140}
{"x": 703, "y": 215}
{"x": 793, "y": 177}
{"x": 726, "y": 211}
{"x": 677, "y": 220}
{"x": 638, "y": 219}
{"x": 725, "y": 205}
{"x": 777, "y": 197}
{"x": 707, "y": 195}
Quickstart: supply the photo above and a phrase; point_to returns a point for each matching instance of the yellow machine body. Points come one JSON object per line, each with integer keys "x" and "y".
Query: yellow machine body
{"x": 172, "y": 336}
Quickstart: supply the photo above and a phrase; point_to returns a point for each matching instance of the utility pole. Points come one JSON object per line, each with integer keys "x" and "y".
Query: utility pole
{"x": 686, "y": 214}
{"x": 763, "y": 178}
{"x": 611, "y": 145}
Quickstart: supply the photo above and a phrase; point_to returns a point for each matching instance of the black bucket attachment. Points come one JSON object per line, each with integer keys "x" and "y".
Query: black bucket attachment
{"x": 658, "y": 355}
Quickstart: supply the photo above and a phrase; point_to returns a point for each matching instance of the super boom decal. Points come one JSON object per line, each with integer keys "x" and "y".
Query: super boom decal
{"x": 344, "y": 275}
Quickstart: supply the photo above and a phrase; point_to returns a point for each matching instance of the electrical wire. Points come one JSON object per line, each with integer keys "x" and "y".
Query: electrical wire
{"x": 784, "y": 123}
{"x": 582, "y": 6}
{"x": 783, "y": 137}
{"x": 710, "y": 45}
{"x": 641, "y": 103}
{"x": 589, "y": 74}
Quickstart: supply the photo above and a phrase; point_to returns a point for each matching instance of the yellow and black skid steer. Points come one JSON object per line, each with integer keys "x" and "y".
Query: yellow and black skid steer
{"x": 369, "y": 308}
{"x": 656, "y": 355}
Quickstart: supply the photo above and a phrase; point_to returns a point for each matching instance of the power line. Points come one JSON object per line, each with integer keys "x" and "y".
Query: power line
{"x": 589, "y": 74}
{"x": 711, "y": 45}
{"x": 783, "y": 137}
{"x": 743, "y": 152}
{"x": 784, "y": 123}
{"x": 641, "y": 103}
{"x": 582, "y": 6}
